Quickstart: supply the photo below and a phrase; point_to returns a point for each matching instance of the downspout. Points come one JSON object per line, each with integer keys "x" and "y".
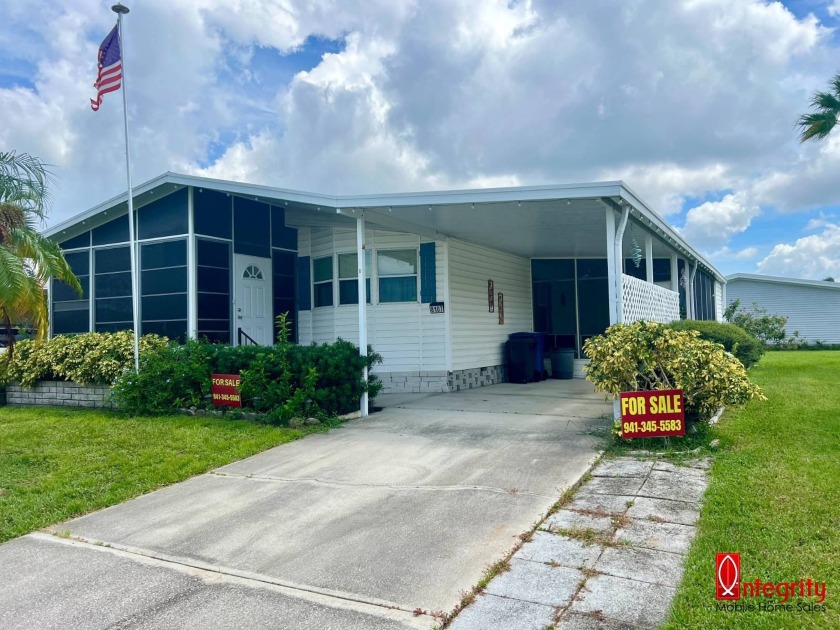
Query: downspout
{"x": 618, "y": 256}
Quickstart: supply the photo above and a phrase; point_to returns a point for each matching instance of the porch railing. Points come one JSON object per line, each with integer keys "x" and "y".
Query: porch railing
{"x": 244, "y": 340}
{"x": 647, "y": 301}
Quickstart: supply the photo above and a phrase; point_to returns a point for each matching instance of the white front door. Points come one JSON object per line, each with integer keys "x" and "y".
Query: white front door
{"x": 252, "y": 306}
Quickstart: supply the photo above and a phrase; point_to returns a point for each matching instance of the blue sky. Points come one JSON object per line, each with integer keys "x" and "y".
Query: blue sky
{"x": 691, "y": 102}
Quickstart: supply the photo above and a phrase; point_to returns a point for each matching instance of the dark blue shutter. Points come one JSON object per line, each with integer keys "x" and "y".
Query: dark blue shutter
{"x": 304, "y": 284}
{"x": 428, "y": 273}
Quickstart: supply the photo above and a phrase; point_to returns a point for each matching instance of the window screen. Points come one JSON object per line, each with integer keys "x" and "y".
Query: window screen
{"x": 213, "y": 284}
{"x": 348, "y": 278}
{"x": 164, "y": 288}
{"x": 397, "y": 270}
{"x": 322, "y": 275}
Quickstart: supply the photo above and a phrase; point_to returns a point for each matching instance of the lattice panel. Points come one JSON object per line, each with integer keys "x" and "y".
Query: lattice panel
{"x": 647, "y": 301}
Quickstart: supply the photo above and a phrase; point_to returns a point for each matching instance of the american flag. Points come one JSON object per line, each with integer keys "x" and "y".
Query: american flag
{"x": 109, "y": 78}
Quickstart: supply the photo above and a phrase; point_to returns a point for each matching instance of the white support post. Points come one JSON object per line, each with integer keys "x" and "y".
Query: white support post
{"x": 618, "y": 255}
{"x": 690, "y": 293}
{"x": 363, "y": 344}
{"x": 649, "y": 258}
{"x": 192, "y": 269}
{"x": 675, "y": 273}
{"x": 611, "y": 270}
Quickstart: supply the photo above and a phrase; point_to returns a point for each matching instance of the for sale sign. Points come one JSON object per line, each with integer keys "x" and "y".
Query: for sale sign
{"x": 652, "y": 414}
{"x": 225, "y": 390}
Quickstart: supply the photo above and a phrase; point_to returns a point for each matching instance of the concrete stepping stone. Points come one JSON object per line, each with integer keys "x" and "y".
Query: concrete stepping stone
{"x": 669, "y": 537}
{"x": 490, "y": 611}
{"x": 567, "y": 519}
{"x": 603, "y": 503}
{"x": 538, "y": 583}
{"x": 673, "y": 486}
{"x": 624, "y": 601}
{"x": 684, "y": 513}
{"x": 645, "y": 565}
{"x": 576, "y": 621}
{"x": 622, "y": 468}
{"x": 553, "y": 548}
{"x": 612, "y": 485}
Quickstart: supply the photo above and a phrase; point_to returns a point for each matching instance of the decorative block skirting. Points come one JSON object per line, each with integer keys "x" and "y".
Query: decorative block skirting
{"x": 476, "y": 377}
{"x": 428, "y": 382}
{"x": 61, "y": 394}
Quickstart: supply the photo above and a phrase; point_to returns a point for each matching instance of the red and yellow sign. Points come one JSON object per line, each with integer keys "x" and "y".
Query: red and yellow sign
{"x": 225, "y": 390}
{"x": 652, "y": 414}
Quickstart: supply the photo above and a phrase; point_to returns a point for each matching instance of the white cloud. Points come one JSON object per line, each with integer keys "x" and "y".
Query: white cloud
{"x": 834, "y": 8}
{"x": 679, "y": 99}
{"x": 713, "y": 223}
{"x": 812, "y": 257}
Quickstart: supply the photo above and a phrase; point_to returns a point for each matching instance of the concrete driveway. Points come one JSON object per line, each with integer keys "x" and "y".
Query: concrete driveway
{"x": 357, "y": 528}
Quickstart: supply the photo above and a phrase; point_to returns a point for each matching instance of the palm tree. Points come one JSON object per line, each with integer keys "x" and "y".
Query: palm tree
{"x": 819, "y": 123}
{"x": 27, "y": 259}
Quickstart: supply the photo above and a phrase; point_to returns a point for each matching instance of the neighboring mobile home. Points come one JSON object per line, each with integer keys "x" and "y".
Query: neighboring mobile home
{"x": 448, "y": 275}
{"x": 811, "y": 306}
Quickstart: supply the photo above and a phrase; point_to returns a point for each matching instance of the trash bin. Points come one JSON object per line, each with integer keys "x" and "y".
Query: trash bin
{"x": 562, "y": 363}
{"x": 520, "y": 359}
{"x": 539, "y": 352}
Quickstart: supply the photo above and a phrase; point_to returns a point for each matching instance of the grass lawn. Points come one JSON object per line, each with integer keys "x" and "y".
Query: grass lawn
{"x": 57, "y": 463}
{"x": 774, "y": 495}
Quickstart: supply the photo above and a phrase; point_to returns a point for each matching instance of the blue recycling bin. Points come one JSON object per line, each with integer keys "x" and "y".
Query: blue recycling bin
{"x": 539, "y": 352}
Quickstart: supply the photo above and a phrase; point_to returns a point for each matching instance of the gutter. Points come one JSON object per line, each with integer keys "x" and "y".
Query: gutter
{"x": 619, "y": 263}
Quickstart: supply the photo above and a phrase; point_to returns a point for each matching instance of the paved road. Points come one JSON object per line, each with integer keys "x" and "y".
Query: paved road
{"x": 357, "y": 528}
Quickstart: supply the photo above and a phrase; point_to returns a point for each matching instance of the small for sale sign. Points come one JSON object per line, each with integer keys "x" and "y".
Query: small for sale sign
{"x": 225, "y": 390}
{"x": 652, "y": 414}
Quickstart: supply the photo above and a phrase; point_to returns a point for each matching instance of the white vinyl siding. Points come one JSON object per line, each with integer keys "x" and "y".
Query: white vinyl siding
{"x": 812, "y": 310}
{"x": 408, "y": 337}
{"x": 477, "y": 337}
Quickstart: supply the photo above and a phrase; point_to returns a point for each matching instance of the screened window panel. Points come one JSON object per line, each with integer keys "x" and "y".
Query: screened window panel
{"x": 213, "y": 280}
{"x": 552, "y": 270}
{"x": 174, "y": 329}
{"x": 164, "y": 307}
{"x": 157, "y": 281}
{"x": 281, "y": 235}
{"x": 82, "y": 240}
{"x": 63, "y": 293}
{"x": 215, "y": 325}
{"x": 213, "y": 253}
{"x": 284, "y": 287}
{"x": 165, "y": 217}
{"x": 251, "y": 228}
{"x": 593, "y": 296}
{"x": 323, "y": 294}
{"x": 400, "y": 262}
{"x": 398, "y": 289}
{"x": 212, "y": 213}
{"x": 79, "y": 262}
{"x": 115, "y": 231}
{"x": 322, "y": 269}
{"x": 68, "y": 322}
{"x": 214, "y": 306}
{"x": 113, "y": 284}
{"x": 112, "y": 259}
{"x": 77, "y": 305}
{"x": 162, "y": 255}
{"x": 283, "y": 263}
{"x": 113, "y": 310}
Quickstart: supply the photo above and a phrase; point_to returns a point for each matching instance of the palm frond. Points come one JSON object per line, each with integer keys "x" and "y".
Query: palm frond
{"x": 46, "y": 256}
{"x": 816, "y": 125}
{"x": 12, "y": 275}
{"x": 24, "y": 180}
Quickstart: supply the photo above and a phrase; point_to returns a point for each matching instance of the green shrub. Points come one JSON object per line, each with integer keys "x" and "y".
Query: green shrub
{"x": 283, "y": 381}
{"x": 758, "y": 322}
{"x": 647, "y": 356}
{"x": 735, "y": 339}
{"x": 90, "y": 358}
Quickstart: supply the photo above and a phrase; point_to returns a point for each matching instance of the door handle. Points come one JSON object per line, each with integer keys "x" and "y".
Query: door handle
{"x": 239, "y": 317}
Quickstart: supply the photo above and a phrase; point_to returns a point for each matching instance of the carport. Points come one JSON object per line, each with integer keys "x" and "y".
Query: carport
{"x": 373, "y": 525}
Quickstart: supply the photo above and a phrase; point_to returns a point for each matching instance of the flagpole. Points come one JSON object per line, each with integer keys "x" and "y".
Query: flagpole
{"x": 120, "y": 9}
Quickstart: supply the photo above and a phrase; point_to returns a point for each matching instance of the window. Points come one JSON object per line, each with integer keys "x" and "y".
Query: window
{"x": 164, "y": 288}
{"x": 322, "y": 275}
{"x": 348, "y": 278}
{"x": 112, "y": 288}
{"x": 214, "y": 289}
{"x": 252, "y": 272}
{"x": 397, "y": 270}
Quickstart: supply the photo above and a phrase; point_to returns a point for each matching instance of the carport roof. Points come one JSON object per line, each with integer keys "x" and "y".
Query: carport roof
{"x": 530, "y": 221}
